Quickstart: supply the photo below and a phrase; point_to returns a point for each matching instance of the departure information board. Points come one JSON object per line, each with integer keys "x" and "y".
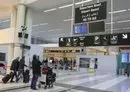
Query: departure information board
{"x": 95, "y": 40}
{"x": 93, "y": 12}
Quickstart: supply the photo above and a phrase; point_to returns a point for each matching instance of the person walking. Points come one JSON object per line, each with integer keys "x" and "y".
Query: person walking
{"x": 128, "y": 70}
{"x": 36, "y": 70}
{"x": 14, "y": 69}
{"x": 21, "y": 67}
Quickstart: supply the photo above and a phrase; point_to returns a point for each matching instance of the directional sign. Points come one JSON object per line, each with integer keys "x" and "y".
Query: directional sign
{"x": 125, "y": 36}
{"x": 114, "y": 39}
{"x": 96, "y": 40}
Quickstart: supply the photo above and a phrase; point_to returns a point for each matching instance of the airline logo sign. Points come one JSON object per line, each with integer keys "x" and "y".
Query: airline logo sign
{"x": 96, "y": 40}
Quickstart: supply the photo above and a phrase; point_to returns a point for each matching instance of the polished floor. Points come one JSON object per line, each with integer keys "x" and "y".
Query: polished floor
{"x": 86, "y": 82}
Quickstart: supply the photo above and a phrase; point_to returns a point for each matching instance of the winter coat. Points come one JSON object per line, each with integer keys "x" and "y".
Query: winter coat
{"x": 14, "y": 65}
{"x": 36, "y": 67}
{"x": 21, "y": 64}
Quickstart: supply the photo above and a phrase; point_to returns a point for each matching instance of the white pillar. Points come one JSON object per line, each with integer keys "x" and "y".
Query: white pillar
{"x": 10, "y": 56}
{"x": 28, "y": 31}
{"x": 11, "y": 46}
{"x": 21, "y": 8}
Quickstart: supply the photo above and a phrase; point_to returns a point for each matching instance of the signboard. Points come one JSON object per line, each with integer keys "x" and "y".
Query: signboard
{"x": 91, "y": 12}
{"x": 96, "y": 40}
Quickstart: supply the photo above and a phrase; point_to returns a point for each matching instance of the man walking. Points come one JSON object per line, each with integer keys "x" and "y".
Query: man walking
{"x": 21, "y": 67}
{"x": 14, "y": 68}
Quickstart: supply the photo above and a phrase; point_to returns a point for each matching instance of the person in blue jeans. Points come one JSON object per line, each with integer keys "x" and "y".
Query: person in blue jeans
{"x": 36, "y": 70}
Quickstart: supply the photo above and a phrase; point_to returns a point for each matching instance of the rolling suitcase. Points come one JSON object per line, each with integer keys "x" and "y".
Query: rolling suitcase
{"x": 7, "y": 77}
{"x": 26, "y": 77}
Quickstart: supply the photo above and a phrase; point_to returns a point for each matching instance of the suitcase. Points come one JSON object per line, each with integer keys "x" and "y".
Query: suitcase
{"x": 7, "y": 77}
{"x": 26, "y": 77}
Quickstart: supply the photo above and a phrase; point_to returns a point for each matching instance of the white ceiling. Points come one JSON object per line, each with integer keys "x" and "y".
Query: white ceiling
{"x": 52, "y": 25}
{"x": 54, "y": 19}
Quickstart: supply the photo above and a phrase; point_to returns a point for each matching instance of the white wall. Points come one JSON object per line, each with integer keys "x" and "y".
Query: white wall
{"x": 106, "y": 64}
{"x": 7, "y": 36}
{"x": 36, "y": 50}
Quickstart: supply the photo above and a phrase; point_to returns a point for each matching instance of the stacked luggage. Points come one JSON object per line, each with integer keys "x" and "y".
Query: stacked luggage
{"x": 48, "y": 77}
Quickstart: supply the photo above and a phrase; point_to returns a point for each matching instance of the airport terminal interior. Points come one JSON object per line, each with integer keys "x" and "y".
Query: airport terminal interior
{"x": 64, "y": 45}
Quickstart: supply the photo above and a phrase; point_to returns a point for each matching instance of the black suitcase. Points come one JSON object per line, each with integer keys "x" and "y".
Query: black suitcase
{"x": 7, "y": 77}
{"x": 26, "y": 77}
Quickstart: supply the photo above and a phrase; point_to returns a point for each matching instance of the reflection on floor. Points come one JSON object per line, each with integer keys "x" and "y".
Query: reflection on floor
{"x": 85, "y": 82}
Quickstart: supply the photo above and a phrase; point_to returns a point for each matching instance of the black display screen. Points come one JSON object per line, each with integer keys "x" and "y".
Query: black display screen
{"x": 97, "y": 27}
{"x": 91, "y": 12}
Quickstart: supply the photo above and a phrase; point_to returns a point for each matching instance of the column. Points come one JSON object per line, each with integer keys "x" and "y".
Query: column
{"x": 21, "y": 8}
{"x": 28, "y": 31}
{"x": 10, "y": 56}
{"x": 11, "y": 45}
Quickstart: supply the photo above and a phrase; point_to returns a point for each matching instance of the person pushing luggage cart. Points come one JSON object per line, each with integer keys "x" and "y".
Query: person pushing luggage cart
{"x": 48, "y": 77}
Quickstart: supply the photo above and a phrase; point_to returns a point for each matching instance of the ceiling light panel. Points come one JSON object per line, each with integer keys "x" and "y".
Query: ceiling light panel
{"x": 119, "y": 11}
{"x": 35, "y": 25}
{"x": 65, "y": 6}
{"x": 110, "y": 23}
{"x": 49, "y": 10}
{"x": 78, "y": 3}
{"x": 123, "y": 21}
{"x": 68, "y": 20}
{"x": 42, "y": 24}
{"x": 82, "y": 2}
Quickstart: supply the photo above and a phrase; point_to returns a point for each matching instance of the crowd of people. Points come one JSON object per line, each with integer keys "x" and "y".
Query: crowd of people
{"x": 18, "y": 69}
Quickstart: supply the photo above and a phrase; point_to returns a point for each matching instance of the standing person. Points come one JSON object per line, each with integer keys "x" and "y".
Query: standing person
{"x": 21, "y": 67}
{"x": 36, "y": 71}
{"x": 14, "y": 68}
{"x": 128, "y": 70}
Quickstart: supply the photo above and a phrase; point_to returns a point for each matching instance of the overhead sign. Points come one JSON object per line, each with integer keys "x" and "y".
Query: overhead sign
{"x": 91, "y": 12}
{"x": 95, "y": 40}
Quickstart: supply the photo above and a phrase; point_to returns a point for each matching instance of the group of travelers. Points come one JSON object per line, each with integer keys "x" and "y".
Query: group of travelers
{"x": 17, "y": 68}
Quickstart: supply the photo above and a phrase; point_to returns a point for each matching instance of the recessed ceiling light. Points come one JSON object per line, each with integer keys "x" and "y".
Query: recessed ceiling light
{"x": 35, "y": 25}
{"x": 68, "y": 20}
{"x": 43, "y": 24}
{"x": 126, "y": 28}
{"x": 119, "y": 11}
{"x": 65, "y": 6}
{"x": 69, "y": 5}
{"x": 49, "y": 10}
{"x": 128, "y": 9}
{"x": 54, "y": 30}
{"x": 123, "y": 21}
{"x": 83, "y": 2}
{"x": 110, "y": 23}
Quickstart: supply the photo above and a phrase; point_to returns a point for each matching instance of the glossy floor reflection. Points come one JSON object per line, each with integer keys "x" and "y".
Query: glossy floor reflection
{"x": 86, "y": 82}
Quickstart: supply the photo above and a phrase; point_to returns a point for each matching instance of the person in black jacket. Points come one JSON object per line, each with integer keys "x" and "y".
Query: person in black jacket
{"x": 128, "y": 70}
{"x": 36, "y": 70}
{"x": 21, "y": 67}
{"x": 14, "y": 68}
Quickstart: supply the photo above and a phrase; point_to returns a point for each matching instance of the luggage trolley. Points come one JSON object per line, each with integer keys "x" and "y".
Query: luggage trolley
{"x": 47, "y": 78}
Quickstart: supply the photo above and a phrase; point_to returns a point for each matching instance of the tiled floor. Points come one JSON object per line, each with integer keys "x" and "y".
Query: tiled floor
{"x": 85, "y": 82}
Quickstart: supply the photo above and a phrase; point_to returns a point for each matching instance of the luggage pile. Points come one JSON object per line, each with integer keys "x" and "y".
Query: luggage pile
{"x": 48, "y": 78}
